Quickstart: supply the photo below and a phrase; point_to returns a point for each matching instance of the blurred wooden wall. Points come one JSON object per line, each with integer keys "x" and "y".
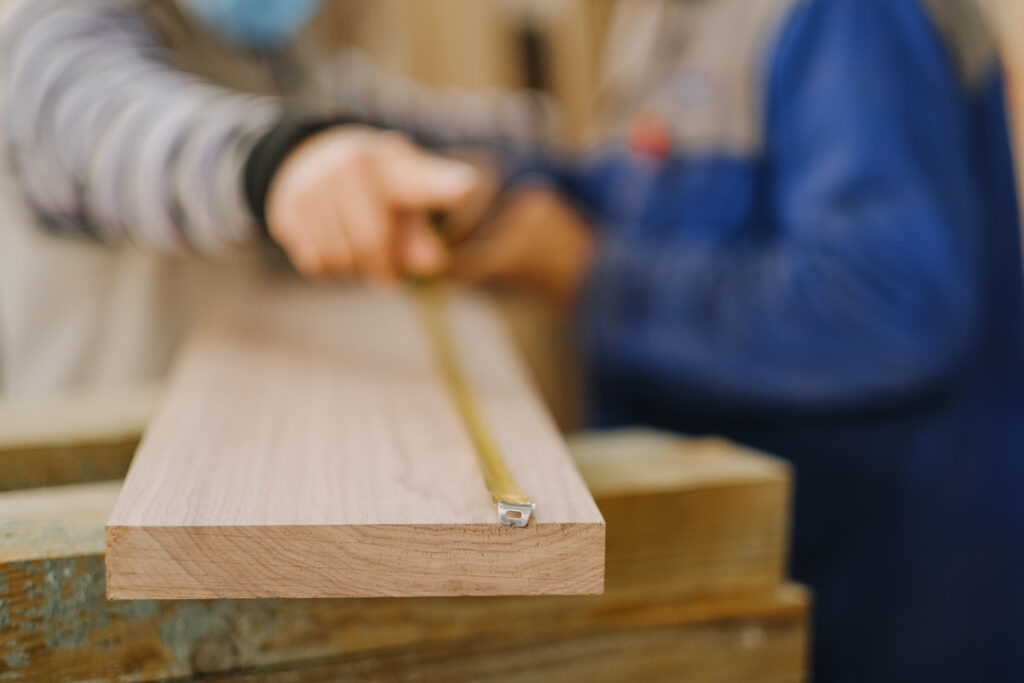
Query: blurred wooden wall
{"x": 474, "y": 43}
{"x": 468, "y": 43}
{"x": 1007, "y": 19}
{"x": 478, "y": 43}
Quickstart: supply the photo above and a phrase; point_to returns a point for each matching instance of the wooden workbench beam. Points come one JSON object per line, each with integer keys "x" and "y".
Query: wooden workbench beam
{"x": 74, "y": 438}
{"x": 726, "y": 505}
{"x": 63, "y": 627}
{"x": 696, "y": 535}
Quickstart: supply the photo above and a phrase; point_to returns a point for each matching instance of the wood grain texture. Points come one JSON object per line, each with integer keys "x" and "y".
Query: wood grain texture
{"x": 677, "y": 605}
{"x": 308, "y": 446}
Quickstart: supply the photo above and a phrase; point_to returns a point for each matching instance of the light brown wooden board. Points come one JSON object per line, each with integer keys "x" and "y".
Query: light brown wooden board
{"x": 695, "y": 540}
{"x": 73, "y": 438}
{"x": 308, "y": 446}
{"x": 699, "y": 517}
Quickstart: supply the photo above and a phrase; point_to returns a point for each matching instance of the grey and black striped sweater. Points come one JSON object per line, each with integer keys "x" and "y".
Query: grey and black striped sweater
{"x": 110, "y": 137}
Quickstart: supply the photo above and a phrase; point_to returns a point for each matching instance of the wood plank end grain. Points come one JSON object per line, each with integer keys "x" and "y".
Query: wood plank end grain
{"x": 354, "y": 561}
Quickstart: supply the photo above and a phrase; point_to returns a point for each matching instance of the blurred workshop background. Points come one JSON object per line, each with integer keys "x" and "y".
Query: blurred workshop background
{"x": 552, "y": 44}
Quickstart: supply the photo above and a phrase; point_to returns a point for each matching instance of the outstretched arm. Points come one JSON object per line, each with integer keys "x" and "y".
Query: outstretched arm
{"x": 108, "y": 138}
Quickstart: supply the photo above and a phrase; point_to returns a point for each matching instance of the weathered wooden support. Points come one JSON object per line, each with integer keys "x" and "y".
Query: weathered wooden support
{"x": 61, "y": 626}
{"x": 696, "y": 532}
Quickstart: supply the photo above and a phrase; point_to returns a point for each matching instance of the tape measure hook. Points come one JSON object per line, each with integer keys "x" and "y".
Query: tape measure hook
{"x": 514, "y": 514}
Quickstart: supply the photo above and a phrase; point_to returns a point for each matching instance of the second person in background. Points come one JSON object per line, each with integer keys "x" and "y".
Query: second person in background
{"x": 799, "y": 229}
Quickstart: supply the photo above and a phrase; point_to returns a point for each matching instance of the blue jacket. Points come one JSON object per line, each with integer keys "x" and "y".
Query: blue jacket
{"x": 839, "y": 283}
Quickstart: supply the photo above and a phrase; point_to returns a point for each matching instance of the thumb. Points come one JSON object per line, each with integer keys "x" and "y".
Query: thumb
{"x": 416, "y": 181}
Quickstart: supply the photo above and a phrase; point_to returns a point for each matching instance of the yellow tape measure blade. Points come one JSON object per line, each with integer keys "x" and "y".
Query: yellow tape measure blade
{"x": 514, "y": 507}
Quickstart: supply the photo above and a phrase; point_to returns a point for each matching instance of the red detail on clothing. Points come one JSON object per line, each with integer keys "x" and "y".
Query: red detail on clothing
{"x": 650, "y": 136}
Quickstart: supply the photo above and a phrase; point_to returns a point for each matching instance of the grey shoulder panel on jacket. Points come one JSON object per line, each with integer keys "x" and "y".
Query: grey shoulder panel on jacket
{"x": 745, "y": 32}
{"x": 698, "y": 66}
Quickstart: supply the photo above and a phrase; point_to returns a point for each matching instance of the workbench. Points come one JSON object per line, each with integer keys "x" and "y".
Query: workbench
{"x": 695, "y": 585}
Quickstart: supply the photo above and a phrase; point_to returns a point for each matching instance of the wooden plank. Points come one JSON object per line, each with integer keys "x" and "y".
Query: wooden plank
{"x": 73, "y": 438}
{"x": 308, "y": 446}
{"x": 764, "y": 643}
{"x": 698, "y": 516}
{"x": 59, "y": 521}
{"x": 722, "y": 624}
{"x": 723, "y": 508}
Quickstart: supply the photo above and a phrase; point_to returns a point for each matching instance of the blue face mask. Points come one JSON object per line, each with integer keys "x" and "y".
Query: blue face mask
{"x": 254, "y": 24}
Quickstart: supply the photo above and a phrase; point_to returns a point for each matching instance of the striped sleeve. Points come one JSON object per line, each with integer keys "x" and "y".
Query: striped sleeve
{"x": 109, "y": 139}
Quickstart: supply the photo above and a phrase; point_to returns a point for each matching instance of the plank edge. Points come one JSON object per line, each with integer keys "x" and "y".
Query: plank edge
{"x": 143, "y": 562}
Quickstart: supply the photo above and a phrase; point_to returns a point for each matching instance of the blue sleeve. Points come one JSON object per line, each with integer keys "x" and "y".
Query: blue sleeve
{"x": 868, "y": 288}
{"x": 584, "y": 182}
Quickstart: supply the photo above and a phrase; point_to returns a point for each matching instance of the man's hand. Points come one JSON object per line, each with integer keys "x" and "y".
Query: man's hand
{"x": 354, "y": 200}
{"x": 536, "y": 239}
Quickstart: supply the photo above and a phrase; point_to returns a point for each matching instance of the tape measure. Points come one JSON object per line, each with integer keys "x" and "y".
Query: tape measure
{"x": 514, "y": 507}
